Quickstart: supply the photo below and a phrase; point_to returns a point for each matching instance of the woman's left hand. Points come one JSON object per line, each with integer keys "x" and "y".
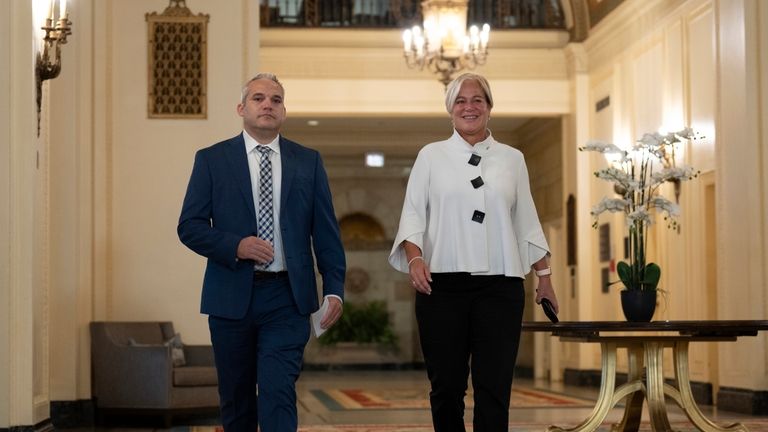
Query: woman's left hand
{"x": 545, "y": 290}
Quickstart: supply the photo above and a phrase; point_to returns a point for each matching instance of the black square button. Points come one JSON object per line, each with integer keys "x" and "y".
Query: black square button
{"x": 478, "y": 216}
{"x": 474, "y": 160}
{"x": 477, "y": 182}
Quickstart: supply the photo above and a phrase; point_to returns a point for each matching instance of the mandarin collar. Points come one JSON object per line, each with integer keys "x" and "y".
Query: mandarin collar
{"x": 481, "y": 147}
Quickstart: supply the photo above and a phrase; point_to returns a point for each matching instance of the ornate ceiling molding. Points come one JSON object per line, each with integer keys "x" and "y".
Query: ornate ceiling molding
{"x": 579, "y": 14}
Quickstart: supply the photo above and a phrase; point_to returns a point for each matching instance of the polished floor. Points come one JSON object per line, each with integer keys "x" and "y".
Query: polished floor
{"x": 313, "y": 412}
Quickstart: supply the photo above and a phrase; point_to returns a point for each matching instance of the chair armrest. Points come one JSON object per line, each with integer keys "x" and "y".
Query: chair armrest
{"x": 198, "y": 355}
{"x": 133, "y": 376}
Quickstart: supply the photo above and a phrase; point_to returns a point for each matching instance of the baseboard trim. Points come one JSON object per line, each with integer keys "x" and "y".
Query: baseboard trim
{"x": 43, "y": 426}
{"x": 523, "y": 372}
{"x": 67, "y": 414}
{"x": 63, "y": 414}
{"x": 754, "y": 402}
{"x": 586, "y": 377}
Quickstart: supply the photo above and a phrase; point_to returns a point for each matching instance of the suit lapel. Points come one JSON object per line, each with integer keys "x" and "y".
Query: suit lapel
{"x": 288, "y": 161}
{"x": 238, "y": 160}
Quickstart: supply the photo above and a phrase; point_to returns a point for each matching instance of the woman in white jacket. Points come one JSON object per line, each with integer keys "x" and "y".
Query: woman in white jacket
{"x": 468, "y": 235}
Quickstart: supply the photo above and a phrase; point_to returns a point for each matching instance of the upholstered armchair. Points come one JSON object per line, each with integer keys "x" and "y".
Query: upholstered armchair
{"x": 142, "y": 367}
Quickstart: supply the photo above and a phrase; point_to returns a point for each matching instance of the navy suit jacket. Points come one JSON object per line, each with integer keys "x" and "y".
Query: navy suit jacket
{"x": 219, "y": 211}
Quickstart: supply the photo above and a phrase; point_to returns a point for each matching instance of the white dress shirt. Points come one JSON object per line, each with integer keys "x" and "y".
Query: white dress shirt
{"x": 440, "y": 202}
{"x": 278, "y": 264}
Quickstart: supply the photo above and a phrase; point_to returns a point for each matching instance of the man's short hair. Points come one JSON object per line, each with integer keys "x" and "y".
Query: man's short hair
{"x": 258, "y": 76}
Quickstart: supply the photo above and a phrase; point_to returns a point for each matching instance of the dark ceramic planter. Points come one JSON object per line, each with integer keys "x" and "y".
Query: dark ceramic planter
{"x": 638, "y": 305}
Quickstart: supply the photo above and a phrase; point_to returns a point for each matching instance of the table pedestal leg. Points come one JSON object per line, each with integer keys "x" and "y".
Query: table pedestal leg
{"x": 653, "y": 390}
{"x": 683, "y": 395}
{"x": 657, "y": 408}
{"x": 633, "y": 409}
{"x": 605, "y": 400}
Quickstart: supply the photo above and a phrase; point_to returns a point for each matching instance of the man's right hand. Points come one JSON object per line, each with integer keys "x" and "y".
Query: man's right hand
{"x": 254, "y": 248}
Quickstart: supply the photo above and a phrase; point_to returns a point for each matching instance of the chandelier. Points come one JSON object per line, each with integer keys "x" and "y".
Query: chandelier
{"x": 444, "y": 45}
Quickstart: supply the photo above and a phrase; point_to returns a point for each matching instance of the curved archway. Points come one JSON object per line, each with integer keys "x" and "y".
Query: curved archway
{"x": 361, "y": 231}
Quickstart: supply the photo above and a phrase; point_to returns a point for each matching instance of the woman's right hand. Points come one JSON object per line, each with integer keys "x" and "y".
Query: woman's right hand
{"x": 420, "y": 276}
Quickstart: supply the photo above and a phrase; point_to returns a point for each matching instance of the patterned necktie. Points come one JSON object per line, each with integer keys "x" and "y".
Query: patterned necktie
{"x": 265, "y": 227}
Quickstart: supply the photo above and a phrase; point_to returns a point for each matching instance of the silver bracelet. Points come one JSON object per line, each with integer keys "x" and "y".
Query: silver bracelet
{"x": 414, "y": 259}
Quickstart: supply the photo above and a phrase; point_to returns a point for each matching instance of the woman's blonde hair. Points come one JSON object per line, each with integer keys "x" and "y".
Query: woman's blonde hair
{"x": 452, "y": 91}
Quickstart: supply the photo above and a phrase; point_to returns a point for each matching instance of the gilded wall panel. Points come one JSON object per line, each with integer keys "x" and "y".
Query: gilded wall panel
{"x": 177, "y": 46}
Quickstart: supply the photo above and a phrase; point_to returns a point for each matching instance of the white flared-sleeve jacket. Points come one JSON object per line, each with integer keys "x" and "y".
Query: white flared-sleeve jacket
{"x": 490, "y": 229}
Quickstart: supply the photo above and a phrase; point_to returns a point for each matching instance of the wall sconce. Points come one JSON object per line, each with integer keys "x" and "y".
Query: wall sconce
{"x": 48, "y": 65}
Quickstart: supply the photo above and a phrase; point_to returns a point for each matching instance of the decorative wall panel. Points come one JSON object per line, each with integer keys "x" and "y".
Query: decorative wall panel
{"x": 177, "y": 45}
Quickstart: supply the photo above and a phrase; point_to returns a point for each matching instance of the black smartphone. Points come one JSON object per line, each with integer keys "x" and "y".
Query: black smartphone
{"x": 549, "y": 311}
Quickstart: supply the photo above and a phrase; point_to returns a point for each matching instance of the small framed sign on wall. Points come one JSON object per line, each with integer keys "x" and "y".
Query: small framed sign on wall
{"x": 177, "y": 63}
{"x": 605, "y": 242}
{"x": 571, "y": 229}
{"x": 605, "y": 280}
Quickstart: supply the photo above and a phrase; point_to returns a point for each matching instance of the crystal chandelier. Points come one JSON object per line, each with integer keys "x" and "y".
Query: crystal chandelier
{"x": 444, "y": 46}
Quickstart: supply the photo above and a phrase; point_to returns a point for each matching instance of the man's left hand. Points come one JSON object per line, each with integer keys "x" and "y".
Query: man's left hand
{"x": 333, "y": 313}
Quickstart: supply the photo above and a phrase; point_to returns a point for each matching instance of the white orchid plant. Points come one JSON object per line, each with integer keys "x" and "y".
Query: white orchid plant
{"x": 637, "y": 175}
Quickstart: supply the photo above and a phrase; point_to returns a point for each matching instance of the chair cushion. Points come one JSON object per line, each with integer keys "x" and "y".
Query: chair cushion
{"x": 194, "y": 376}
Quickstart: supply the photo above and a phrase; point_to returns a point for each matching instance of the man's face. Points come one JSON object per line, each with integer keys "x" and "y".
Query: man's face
{"x": 263, "y": 110}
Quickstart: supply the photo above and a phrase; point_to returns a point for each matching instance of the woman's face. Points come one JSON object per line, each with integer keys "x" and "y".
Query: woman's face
{"x": 471, "y": 112}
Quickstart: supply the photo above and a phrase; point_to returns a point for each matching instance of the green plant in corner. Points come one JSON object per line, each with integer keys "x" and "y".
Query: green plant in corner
{"x": 366, "y": 323}
{"x": 637, "y": 174}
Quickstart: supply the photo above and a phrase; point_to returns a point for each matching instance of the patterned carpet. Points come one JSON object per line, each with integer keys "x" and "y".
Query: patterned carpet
{"x": 517, "y": 427}
{"x": 752, "y": 426}
{"x": 344, "y": 401}
{"x": 363, "y": 399}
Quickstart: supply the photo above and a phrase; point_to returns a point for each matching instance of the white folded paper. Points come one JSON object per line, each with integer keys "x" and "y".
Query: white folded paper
{"x": 317, "y": 316}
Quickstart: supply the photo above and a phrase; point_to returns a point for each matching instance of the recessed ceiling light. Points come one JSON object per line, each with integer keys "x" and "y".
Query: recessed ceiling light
{"x": 374, "y": 159}
{"x": 312, "y": 122}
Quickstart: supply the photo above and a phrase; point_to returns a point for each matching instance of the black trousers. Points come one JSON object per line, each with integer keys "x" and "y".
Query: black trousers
{"x": 470, "y": 323}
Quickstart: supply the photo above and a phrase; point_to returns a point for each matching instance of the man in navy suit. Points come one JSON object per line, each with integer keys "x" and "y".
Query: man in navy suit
{"x": 257, "y": 206}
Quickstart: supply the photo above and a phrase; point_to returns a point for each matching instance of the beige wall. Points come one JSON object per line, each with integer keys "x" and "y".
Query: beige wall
{"x": 5, "y": 213}
{"x": 540, "y": 140}
{"x": 740, "y": 184}
{"x": 23, "y": 262}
